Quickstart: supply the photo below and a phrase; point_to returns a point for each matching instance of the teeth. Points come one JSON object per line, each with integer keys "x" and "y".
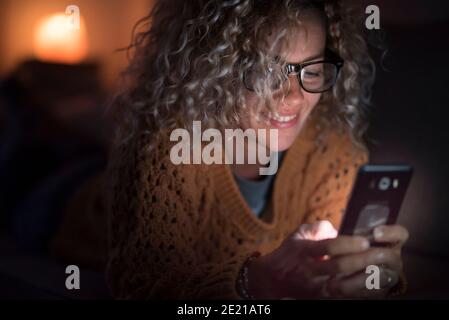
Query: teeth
{"x": 279, "y": 118}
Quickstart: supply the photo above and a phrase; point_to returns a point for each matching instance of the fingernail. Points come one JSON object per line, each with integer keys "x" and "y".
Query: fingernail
{"x": 380, "y": 256}
{"x": 365, "y": 244}
{"x": 378, "y": 233}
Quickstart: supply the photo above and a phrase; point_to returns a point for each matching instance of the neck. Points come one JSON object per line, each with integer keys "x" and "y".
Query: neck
{"x": 247, "y": 171}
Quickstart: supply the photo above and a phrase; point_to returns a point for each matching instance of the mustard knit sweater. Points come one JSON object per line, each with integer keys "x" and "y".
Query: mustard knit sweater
{"x": 185, "y": 231}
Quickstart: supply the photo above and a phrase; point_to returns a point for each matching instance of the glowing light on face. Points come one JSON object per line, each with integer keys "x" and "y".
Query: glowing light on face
{"x": 57, "y": 39}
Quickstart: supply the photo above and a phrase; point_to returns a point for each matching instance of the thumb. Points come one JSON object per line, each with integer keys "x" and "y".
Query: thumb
{"x": 319, "y": 230}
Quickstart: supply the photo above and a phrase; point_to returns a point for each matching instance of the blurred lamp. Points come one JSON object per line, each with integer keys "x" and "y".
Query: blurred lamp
{"x": 57, "y": 39}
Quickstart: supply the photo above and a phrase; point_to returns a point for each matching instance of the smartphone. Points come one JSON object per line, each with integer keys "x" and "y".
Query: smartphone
{"x": 376, "y": 198}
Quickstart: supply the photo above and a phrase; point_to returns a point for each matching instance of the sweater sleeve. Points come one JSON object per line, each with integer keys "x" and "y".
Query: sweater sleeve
{"x": 155, "y": 223}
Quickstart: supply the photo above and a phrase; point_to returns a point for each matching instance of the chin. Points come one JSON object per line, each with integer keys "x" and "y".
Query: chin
{"x": 283, "y": 144}
{"x": 287, "y": 137}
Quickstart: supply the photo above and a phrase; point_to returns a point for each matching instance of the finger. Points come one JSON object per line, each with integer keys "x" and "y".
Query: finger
{"x": 305, "y": 231}
{"x": 394, "y": 234}
{"x": 363, "y": 285}
{"x": 350, "y": 264}
{"x": 322, "y": 230}
{"x": 339, "y": 246}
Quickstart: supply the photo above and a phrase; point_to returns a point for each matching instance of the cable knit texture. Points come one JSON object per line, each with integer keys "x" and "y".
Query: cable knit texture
{"x": 184, "y": 231}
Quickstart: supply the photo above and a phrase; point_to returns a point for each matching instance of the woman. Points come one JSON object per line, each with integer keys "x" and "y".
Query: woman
{"x": 300, "y": 68}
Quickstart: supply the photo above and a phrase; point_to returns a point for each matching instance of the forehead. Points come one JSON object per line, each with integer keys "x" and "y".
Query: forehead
{"x": 307, "y": 41}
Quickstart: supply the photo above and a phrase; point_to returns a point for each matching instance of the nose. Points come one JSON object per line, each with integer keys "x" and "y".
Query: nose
{"x": 295, "y": 95}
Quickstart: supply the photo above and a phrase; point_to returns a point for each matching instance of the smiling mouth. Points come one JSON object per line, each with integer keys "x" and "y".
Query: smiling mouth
{"x": 283, "y": 119}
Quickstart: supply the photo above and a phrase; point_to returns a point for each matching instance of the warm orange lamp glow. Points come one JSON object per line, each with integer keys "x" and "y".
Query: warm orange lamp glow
{"x": 57, "y": 39}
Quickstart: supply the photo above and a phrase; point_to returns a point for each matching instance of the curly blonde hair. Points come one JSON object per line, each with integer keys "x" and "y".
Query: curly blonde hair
{"x": 189, "y": 59}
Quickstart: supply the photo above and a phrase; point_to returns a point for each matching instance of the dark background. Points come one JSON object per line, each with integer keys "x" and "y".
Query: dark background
{"x": 408, "y": 122}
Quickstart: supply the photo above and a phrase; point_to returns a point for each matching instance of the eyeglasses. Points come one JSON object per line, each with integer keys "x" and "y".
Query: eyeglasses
{"x": 314, "y": 77}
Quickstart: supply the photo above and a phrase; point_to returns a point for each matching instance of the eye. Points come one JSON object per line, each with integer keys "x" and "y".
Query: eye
{"x": 312, "y": 74}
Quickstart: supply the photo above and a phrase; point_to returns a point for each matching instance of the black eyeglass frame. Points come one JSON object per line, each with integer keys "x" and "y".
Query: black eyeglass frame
{"x": 330, "y": 57}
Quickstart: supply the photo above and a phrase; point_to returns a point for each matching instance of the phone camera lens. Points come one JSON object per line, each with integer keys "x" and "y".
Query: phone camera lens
{"x": 384, "y": 183}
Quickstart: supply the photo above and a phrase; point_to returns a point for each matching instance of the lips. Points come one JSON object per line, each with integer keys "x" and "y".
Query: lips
{"x": 283, "y": 121}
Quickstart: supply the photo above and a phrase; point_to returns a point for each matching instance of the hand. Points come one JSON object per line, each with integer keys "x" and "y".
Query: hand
{"x": 303, "y": 268}
{"x": 300, "y": 267}
{"x": 387, "y": 258}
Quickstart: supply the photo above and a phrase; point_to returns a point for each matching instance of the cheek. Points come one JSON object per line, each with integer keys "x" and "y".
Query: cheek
{"x": 312, "y": 100}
